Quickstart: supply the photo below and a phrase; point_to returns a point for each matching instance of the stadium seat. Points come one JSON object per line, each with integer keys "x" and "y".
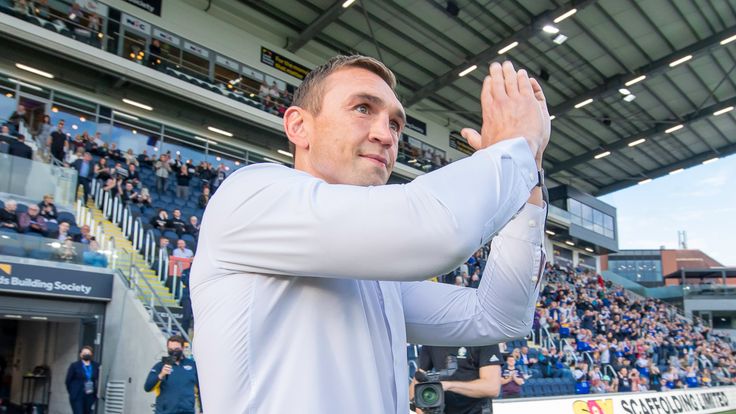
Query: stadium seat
{"x": 41, "y": 254}
{"x": 22, "y": 208}
{"x": 68, "y": 217}
{"x": 13, "y": 251}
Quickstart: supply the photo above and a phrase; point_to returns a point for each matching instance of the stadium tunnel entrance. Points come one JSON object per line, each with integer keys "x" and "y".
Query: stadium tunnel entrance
{"x": 39, "y": 338}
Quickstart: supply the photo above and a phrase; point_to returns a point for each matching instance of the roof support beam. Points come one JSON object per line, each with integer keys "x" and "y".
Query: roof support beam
{"x": 613, "y": 84}
{"x": 648, "y": 134}
{"x": 491, "y": 52}
{"x": 325, "y": 19}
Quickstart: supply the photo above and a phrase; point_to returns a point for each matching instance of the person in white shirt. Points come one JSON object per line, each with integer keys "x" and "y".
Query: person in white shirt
{"x": 182, "y": 250}
{"x": 309, "y": 282}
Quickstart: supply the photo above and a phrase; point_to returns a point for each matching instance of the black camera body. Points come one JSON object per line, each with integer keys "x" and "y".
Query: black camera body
{"x": 168, "y": 360}
{"x": 429, "y": 396}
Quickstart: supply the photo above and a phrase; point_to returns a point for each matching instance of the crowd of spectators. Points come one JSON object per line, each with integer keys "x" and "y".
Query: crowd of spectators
{"x": 609, "y": 340}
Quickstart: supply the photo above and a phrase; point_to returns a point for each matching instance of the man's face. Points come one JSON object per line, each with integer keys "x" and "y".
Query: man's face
{"x": 60, "y": 125}
{"x": 63, "y": 227}
{"x": 10, "y": 207}
{"x": 33, "y": 210}
{"x": 181, "y": 244}
{"x": 354, "y": 139}
{"x": 177, "y": 213}
{"x": 173, "y": 346}
{"x": 85, "y": 229}
{"x": 193, "y": 220}
{"x": 88, "y": 157}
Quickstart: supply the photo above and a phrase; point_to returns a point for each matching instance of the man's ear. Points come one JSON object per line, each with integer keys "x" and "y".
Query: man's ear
{"x": 296, "y": 126}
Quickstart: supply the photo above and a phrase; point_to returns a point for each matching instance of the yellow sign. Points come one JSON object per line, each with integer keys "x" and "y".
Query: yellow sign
{"x": 6, "y": 268}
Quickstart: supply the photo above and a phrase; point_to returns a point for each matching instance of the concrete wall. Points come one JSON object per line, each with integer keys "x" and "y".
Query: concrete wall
{"x": 708, "y": 304}
{"x": 131, "y": 345}
{"x": 46, "y": 343}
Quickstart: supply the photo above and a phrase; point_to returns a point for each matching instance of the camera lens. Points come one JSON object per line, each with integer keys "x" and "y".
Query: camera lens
{"x": 430, "y": 396}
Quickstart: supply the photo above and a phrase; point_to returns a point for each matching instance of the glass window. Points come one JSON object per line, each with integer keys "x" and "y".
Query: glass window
{"x": 134, "y": 46}
{"x": 562, "y": 256}
{"x": 574, "y": 207}
{"x": 76, "y": 121}
{"x": 226, "y": 76}
{"x": 7, "y": 104}
{"x": 646, "y": 270}
{"x": 195, "y": 65}
{"x": 585, "y": 260}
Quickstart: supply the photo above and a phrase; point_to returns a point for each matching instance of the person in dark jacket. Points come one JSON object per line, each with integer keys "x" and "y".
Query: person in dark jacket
{"x": 85, "y": 172}
{"x": 175, "y": 382}
{"x": 185, "y": 301}
{"x": 82, "y": 381}
{"x": 19, "y": 148}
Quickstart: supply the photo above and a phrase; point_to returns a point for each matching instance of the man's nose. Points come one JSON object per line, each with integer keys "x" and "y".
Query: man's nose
{"x": 381, "y": 131}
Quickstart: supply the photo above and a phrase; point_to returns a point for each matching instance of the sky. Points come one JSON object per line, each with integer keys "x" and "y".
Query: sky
{"x": 700, "y": 200}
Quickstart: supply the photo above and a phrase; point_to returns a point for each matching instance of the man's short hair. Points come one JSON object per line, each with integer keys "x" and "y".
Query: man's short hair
{"x": 87, "y": 347}
{"x": 310, "y": 92}
{"x": 176, "y": 338}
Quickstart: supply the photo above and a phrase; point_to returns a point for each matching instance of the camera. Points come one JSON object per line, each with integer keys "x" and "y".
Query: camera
{"x": 168, "y": 360}
{"x": 428, "y": 393}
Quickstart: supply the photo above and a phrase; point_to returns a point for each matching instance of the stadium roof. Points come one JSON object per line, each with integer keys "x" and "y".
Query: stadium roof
{"x": 671, "y": 57}
{"x": 713, "y": 272}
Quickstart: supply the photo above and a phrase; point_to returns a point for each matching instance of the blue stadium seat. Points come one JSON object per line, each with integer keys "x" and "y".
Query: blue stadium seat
{"x": 582, "y": 387}
{"x": 191, "y": 242}
{"x": 52, "y": 227}
{"x": 68, "y": 217}
{"x": 22, "y": 208}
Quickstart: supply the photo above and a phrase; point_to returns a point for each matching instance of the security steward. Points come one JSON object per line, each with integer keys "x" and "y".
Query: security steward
{"x": 477, "y": 379}
{"x": 175, "y": 381}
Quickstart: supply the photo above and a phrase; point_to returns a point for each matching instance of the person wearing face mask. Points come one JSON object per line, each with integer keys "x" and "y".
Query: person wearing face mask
{"x": 82, "y": 379}
{"x": 175, "y": 381}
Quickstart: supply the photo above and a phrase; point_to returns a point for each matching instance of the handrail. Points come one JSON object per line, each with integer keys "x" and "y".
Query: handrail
{"x": 610, "y": 367}
{"x": 155, "y": 300}
{"x": 589, "y": 358}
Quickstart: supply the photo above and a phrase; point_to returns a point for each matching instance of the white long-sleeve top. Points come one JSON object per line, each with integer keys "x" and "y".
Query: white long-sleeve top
{"x": 306, "y": 293}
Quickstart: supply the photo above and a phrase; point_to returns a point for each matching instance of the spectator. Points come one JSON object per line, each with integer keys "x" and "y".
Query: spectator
{"x": 102, "y": 170}
{"x": 121, "y": 172}
{"x": 32, "y": 221}
{"x": 20, "y": 116}
{"x": 48, "y": 208}
{"x": 8, "y": 216}
{"x": 204, "y": 199}
{"x": 40, "y": 8}
{"x": 62, "y": 233}
{"x": 133, "y": 175}
{"x": 115, "y": 153}
{"x": 85, "y": 170}
{"x": 511, "y": 379}
{"x": 177, "y": 223}
{"x": 219, "y": 176}
{"x": 182, "y": 182}
{"x": 161, "y": 220}
{"x": 185, "y": 301}
{"x": 175, "y": 382}
{"x": 143, "y": 158}
{"x": 57, "y": 142}
{"x": 112, "y": 186}
{"x": 162, "y": 170}
{"x": 75, "y": 16}
{"x": 182, "y": 251}
{"x": 18, "y": 148}
{"x": 130, "y": 157}
{"x": 82, "y": 382}
{"x": 84, "y": 236}
{"x": 129, "y": 194}
{"x": 67, "y": 252}
{"x": 154, "y": 53}
{"x": 144, "y": 198}
{"x": 93, "y": 257}
{"x": 72, "y": 157}
{"x": 193, "y": 226}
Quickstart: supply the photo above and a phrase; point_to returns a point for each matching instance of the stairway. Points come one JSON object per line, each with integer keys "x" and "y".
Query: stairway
{"x": 127, "y": 256}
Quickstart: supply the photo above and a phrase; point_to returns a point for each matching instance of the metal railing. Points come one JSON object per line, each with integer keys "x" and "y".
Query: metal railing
{"x": 157, "y": 309}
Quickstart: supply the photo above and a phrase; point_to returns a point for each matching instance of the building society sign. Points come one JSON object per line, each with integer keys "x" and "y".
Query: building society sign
{"x": 42, "y": 280}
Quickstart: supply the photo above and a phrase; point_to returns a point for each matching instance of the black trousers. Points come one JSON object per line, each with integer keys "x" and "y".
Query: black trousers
{"x": 83, "y": 405}
{"x": 186, "y": 318}
{"x": 85, "y": 183}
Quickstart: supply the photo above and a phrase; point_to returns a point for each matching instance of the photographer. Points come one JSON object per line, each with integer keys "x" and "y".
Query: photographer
{"x": 175, "y": 381}
{"x": 477, "y": 378}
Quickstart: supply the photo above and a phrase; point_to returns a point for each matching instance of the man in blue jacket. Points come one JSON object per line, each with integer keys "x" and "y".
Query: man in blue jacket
{"x": 82, "y": 380}
{"x": 175, "y": 382}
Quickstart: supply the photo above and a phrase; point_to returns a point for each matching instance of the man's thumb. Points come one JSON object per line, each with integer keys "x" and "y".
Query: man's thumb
{"x": 473, "y": 137}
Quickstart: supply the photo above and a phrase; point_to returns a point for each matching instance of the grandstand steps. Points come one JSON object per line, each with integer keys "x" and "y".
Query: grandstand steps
{"x": 127, "y": 256}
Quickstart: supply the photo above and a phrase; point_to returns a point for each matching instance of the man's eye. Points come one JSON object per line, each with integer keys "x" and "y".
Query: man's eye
{"x": 363, "y": 109}
{"x": 395, "y": 126}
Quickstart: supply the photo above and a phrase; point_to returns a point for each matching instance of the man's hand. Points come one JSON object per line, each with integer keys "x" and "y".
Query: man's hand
{"x": 166, "y": 370}
{"x": 513, "y": 105}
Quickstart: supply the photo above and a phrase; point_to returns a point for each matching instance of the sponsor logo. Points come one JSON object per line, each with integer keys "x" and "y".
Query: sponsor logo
{"x": 6, "y": 269}
{"x": 494, "y": 358}
{"x": 593, "y": 406}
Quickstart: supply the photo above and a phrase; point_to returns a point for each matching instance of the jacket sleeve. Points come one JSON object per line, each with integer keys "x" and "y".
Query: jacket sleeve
{"x": 69, "y": 377}
{"x": 502, "y": 308}
{"x": 152, "y": 379}
{"x": 273, "y": 220}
